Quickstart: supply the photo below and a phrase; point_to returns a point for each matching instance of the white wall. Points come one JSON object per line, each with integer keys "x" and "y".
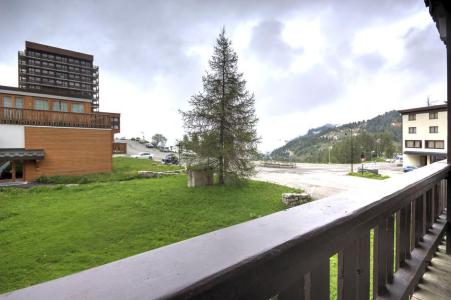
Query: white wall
{"x": 12, "y": 136}
{"x": 422, "y": 124}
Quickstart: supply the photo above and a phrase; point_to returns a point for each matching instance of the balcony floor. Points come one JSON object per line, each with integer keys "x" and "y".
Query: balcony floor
{"x": 436, "y": 283}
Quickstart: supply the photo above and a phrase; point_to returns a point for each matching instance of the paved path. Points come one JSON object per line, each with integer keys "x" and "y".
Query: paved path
{"x": 322, "y": 180}
{"x": 436, "y": 282}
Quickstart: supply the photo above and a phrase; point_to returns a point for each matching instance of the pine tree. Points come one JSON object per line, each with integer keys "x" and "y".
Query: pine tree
{"x": 223, "y": 116}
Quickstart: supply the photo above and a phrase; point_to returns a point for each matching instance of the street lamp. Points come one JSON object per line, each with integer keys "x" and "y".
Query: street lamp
{"x": 352, "y": 150}
{"x": 330, "y": 148}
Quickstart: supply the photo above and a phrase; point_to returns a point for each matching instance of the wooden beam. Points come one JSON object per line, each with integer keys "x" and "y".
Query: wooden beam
{"x": 13, "y": 171}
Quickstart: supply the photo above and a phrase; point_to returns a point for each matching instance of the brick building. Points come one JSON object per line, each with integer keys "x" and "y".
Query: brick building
{"x": 50, "y": 125}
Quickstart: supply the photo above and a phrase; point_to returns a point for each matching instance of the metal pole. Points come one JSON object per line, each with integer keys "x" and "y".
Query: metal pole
{"x": 329, "y": 155}
{"x": 448, "y": 196}
{"x": 352, "y": 154}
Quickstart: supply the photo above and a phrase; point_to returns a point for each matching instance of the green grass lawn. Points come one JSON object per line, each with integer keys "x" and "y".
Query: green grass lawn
{"x": 124, "y": 168}
{"x": 369, "y": 175}
{"x": 51, "y": 231}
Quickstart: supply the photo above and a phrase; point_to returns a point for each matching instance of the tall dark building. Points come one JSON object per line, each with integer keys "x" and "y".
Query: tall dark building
{"x": 59, "y": 71}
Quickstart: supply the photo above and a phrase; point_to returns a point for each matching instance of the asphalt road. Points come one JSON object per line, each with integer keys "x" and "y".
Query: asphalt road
{"x": 134, "y": 148}
{"x": 322, "y": 180}
{"x": 319, "y": 180}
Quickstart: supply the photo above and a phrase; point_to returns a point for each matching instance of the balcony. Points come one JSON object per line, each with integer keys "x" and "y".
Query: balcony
{"x": 18, "y": 116}
{"x": 286, "y": 254}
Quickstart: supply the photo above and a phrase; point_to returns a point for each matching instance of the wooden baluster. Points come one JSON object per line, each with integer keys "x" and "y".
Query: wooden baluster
{"x": 419, "y": 218}
{"x": 317, "y": 284}
{"x": 429, "y": 209}
{"x": 390, "y": 248}
{"x": 398, "y": 238}
{"x": 404, "y": 234}
{"x": 426, "y": 211}
{"x": 380, "y": 259}
{"x": 294, "y": 292}
{"x": 434, "y": 203}
{"x": 448, "y": 215}
{"x": 354, "y": 270}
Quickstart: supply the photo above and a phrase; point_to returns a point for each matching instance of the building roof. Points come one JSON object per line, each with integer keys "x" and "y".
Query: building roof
{"x": 440, "y": 107}
{"x": 21, "y": 154}
{"x": 60, "y": 51}
{"x": 45, "y": 94}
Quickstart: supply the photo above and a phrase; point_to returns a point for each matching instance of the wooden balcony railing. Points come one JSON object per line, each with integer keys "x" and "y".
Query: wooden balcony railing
{"x": 20, "y": 116}
{"x": 286, "y": 254}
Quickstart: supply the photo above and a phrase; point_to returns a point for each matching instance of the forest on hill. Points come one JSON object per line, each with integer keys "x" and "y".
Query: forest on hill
{"x": 377, "y": 138}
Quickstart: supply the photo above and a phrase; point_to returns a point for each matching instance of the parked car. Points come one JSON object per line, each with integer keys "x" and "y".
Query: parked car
{"x": 165, "y": 149}
{"x": 143, "y": 155}
{"x": 170, "y": 159}
{"x": 398, "y": 160}
{"x": 149, "y": 145}
{"x": 409, "y": 168}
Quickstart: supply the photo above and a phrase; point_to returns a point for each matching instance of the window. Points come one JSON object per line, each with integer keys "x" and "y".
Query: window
{"x": 412, "y": 117}
{"x": 413, "y": 144}
{"x": 412, "y": 130}
{"x": 435, "y": 144}
{"x": 78, "y": 107}
{"x": 433, "y": 115}
{"x": 41, "y": 104}
{"x": 433, "y": 129}
{"x": 59, "y": 106}
{"x": 18, "y": 102}
{"x": 7, "y": 101}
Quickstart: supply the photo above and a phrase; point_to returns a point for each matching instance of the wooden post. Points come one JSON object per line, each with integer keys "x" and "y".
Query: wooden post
{"x": 13, "y": 171}
{"x": 448, "y": 196}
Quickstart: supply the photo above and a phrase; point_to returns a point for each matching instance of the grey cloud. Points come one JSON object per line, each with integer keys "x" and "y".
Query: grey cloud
{"x": 303, "y": 92}
{"x": 140, "y": 40}
{"x": 267, "y": 44}
{"x": 370, "y": 62}
{"x": 425, "y": 54}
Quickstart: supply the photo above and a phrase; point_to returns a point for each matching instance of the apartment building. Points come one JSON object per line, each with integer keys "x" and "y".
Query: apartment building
{"x": 45, "y": 69}
{"x": 424, "y": 135}
{"x": 48, "y": 130}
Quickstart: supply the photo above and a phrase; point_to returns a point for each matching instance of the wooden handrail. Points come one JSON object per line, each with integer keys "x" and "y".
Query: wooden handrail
{"x": 286, "y": 253}
{"x": 21, "y": 116}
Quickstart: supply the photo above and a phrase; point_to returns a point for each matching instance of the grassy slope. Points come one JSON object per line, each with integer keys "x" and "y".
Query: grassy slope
{"x": 48, "y": 232}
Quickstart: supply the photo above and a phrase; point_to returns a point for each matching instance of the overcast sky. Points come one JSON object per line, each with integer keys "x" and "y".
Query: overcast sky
{"x": 308, "y": 62}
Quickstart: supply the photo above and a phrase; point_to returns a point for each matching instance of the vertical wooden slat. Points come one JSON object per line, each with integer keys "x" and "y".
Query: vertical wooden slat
{"x": 434, "y": 202}
{"x": 319, "y": 286}
{"x": 408, "y": 230}
{"x": 419, "y": 218}
{"x": 404, "y": 234}
{"x": 354, "y": 270}
{"x": 294, "y": 292}
{"x": 448, "y": 213}
{"x": 363, "y": 264}
{"x": 413, "y": 225}
{"x": 347, "y": 272}
{"x": 380, "y": 260}
{"x": 390, "y": 248}
{"x": 398, "y": 240}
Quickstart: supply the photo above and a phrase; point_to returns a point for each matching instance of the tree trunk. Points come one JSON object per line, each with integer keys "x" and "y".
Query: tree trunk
{"x": 221, "y": 128}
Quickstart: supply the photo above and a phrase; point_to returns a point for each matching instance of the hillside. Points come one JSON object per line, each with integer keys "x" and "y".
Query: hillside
{"x": 377, "y": 137}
